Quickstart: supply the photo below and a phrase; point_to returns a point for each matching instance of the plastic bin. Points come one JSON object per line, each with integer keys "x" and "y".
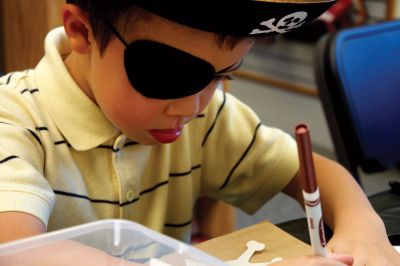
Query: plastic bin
{"x": 119, "y": 238}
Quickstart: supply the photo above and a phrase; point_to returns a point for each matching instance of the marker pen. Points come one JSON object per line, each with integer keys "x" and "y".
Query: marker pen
{"x": 310, "y": 191}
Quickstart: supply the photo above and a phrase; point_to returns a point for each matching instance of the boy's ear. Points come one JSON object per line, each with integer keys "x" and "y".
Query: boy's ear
{"x": 77, "y": 26}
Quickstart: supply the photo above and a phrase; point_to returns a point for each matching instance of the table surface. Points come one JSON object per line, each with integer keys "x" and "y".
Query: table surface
{"x": 278, "y": 244}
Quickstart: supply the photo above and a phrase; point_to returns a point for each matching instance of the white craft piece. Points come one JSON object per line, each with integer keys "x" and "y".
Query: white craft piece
{"x": 244, "y": 259}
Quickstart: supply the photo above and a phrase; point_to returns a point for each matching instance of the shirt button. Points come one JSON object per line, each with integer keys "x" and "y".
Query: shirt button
{"x": 130, "y": 195}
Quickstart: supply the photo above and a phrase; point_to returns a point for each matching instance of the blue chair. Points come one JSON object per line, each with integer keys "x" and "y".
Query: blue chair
{"x": 358, "y": 77}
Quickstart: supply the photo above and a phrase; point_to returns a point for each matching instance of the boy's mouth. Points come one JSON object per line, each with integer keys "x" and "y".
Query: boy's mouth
{"x": 166, "y": 135}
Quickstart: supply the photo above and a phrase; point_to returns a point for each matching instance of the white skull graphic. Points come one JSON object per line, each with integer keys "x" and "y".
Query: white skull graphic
{"x": 291, "y": 21}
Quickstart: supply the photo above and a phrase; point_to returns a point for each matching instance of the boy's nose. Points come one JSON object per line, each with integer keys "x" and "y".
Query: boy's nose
{"x": 188, "y": 106}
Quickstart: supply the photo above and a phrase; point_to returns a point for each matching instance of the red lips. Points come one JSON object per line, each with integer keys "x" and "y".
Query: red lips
{"x": 165, "y": 135}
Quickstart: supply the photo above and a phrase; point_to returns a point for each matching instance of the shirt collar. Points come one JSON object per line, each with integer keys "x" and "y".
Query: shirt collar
{"x": 79, "y": 119}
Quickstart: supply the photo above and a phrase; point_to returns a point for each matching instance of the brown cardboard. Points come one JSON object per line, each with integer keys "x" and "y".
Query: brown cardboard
{"x": 278, "y": 244}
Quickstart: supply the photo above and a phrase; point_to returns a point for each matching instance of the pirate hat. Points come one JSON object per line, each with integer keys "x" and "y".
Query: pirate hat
{"x": 239, "y": 17}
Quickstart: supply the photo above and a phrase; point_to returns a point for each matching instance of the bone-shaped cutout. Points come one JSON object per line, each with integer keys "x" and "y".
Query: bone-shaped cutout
{"x": 244, "y": 259}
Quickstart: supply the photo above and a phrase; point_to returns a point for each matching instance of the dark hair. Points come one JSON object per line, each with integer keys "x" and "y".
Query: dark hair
{"x": 101, "y": 12}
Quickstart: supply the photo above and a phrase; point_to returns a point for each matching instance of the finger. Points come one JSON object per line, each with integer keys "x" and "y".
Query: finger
{"x": 344, "y": 258}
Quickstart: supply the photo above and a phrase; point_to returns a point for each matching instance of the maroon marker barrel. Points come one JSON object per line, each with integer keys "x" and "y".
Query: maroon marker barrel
{"x": 307, "y": 169}
{"x": 310, "y": 190}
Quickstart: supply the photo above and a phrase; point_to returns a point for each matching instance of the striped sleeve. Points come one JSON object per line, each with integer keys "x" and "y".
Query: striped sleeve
{"x": 23, "y": 187}
{"x": 245, "y": 163}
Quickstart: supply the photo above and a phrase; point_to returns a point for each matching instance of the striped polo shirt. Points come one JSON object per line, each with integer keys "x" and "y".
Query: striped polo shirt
{"x": 62, "y": 161}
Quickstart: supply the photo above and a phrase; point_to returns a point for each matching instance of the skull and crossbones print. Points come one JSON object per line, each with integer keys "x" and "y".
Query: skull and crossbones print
{"x": 285, "y": 24}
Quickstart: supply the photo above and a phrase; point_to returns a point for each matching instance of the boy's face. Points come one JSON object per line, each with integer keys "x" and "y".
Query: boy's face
{"x": 150, "y": 120}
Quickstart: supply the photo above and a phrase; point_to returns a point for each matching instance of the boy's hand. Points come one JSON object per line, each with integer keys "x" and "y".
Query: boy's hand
{"x": 358, "y": 230}
{"x": 367, "y": 247}
{"x": 331, "y": 260}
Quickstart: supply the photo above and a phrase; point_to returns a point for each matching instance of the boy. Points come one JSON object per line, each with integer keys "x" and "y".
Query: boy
{"x": 122, "y": 119}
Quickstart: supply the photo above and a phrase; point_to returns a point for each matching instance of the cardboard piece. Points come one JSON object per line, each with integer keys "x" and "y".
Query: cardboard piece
{"x": 278, "y": 244}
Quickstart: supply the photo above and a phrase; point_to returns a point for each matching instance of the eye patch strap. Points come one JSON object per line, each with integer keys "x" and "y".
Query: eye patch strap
{"x": 115, "y": 32}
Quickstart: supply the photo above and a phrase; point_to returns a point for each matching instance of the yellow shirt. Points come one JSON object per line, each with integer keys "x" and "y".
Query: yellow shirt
{"x": 62, "y": 161}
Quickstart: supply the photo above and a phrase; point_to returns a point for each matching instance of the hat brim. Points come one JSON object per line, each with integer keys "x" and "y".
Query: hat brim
{"x": 239, "y": 17}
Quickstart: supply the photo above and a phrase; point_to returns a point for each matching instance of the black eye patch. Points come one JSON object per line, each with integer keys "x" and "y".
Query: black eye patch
{"x": 160, "y": 71}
